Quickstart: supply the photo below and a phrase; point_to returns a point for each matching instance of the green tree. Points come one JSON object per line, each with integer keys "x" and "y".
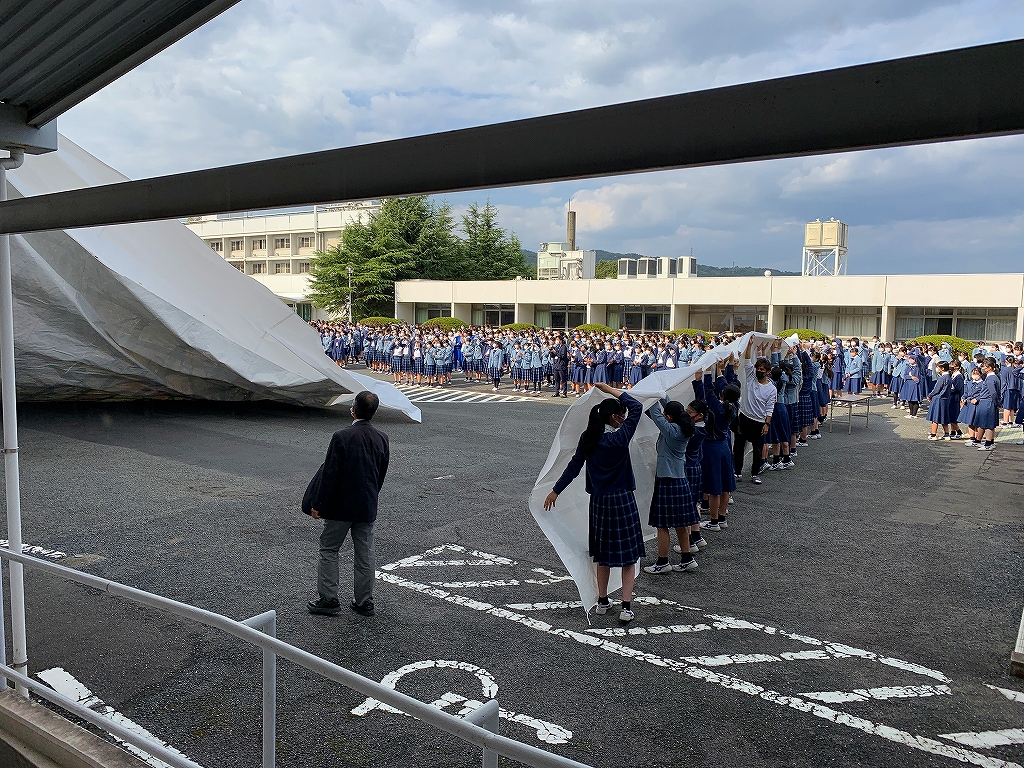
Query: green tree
{"x": 605, "y": 270}
{"x": 491, "y": 253}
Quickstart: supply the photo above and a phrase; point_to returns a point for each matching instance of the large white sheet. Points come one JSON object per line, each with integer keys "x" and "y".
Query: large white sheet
{"x": 150, "y": 311}
{"x": 567, "y": 524}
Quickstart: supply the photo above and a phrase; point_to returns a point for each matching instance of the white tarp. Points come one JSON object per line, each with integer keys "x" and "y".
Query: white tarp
{"x": 150, "y": 311}
{"x": 566, "y": 526}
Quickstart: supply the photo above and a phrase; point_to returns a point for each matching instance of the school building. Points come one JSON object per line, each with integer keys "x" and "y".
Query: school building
{"x": 988, "y": 307}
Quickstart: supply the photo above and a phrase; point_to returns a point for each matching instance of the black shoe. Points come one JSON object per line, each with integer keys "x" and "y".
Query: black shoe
{"x": 364, "y": 609}
{"x": 321, "y": 607}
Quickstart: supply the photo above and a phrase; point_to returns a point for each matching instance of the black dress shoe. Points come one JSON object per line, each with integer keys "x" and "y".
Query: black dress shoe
{"x": 365, "y": 609}
{"x": 323, "y": 607}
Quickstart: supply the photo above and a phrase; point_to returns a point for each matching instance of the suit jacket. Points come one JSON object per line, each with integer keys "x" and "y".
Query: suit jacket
{"x": 353, "y": 474}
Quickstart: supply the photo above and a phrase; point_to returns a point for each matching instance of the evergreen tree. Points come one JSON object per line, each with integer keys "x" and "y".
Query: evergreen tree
{"x": 492, "y": 253}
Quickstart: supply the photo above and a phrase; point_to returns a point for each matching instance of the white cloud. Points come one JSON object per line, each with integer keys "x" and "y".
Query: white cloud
{"x": 276, "y": 77}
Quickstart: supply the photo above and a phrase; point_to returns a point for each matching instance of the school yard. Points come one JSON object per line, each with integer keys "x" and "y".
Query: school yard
{"x": 859, "y": 610}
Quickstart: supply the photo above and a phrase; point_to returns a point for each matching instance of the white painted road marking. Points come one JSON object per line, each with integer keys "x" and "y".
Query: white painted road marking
{"x": 890, "y": 692}
{"x": 1011, "y": 695}
{"x": 49, "y": 554}
{"x": 64, "y": 683}
{"x": 988, "y": 739}
{"x": 547, "y": 732}
{"x": 697, "y": 667}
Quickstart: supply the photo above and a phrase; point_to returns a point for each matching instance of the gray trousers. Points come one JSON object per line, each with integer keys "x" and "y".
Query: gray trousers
{"x": 331, "y": 539}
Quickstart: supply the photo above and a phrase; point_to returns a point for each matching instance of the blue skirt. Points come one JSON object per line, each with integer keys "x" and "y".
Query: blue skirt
{"x": 430, "y": 369}
{"x": 396, "y": 365}
{"x": 805, "y": 413}
{"x": 909, "y": 392}
{"x": 966, "y": 415}
{"x": 837, "y": 381}
{"x": 495, "y": 373}
{"x": 880, "y": 378}
{"x": 695, "y": 479}
{"x": 823, "y": 398}
{"x": 417, "y": 365}
{"x": 954, "y": 410}
{"x": 616, "y": 538}
{"x": 779, "y": 430}
{"x": 671, "y": 505}
{"x": 517, "y": 372}
{"x": 627, "y": 370}
{"x": 600, "y": 374}
{"x": 636, "y": 374}
{"x": 717, "y": 468}
{"x": 985, "y": 416}
{"x": 1011, "y": 399}
{"x": 938, "y": 411}
{"x": 578, "y": 374}
{"x": 854, "y": 384}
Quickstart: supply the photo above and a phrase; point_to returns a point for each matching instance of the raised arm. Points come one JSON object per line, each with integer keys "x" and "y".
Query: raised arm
{"x": 666, "y": 427}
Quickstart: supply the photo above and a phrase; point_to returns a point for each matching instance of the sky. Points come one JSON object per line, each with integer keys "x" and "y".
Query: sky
{"x": 270, "y": 78}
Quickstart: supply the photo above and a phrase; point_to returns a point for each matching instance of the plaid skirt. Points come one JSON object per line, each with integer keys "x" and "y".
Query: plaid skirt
{"x": 417, "y": 365}
{"x": 396, "y": 364}
{"x": 804, "y": 412}
{"x": 616, "y": 538}
{"x": 516, "y": 372}
{"x": 533, "y": 374}
{"x": 627, "y": 368}
{"x": 671, "y": 505}
{"x": 430, "y": 369}
{"x": 694, "y": 480}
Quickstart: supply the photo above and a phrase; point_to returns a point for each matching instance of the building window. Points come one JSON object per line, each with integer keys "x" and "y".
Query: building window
{"x": 259, "y": 244}
{"x": 259, "y": 269}
{"x": 972, "y": 323}
{"x": 240, "y": 266}
{"x": 639, "y": 318}
{"x": 426, "y": 312}
{"x": 217, "y": 245}
{"x": 559, "y": 317}
{"x": 282, "y": 268}
{"x": 303, "y": 267}
{"x": 282, "y": 242}
{"x": 305, "y": 242}
{"x": 718, "y": 319}
{"x": 237, "y": 245}
{"x": 494, "y": 314}
{"x": 305, "y": 311}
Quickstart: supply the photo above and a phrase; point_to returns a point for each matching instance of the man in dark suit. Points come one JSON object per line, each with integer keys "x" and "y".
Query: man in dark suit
{"x": 559, "y": 355}
{"x": 353, "y": 474}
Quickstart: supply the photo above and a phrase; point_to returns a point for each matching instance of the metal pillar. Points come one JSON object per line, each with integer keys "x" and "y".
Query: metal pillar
{"x": 267, "y": 623}
{"x": 10, "y": 449}
{"x": 487, "y": 716}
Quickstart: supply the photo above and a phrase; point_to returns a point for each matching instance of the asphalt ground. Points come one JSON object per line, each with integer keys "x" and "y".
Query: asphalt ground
{"x": 882, "y": 574}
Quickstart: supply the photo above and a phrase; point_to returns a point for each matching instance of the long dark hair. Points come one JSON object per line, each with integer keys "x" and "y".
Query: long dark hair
{"x": 678, "y": 414}
{"x": 599, "y": 416}
{"x": 709, "y": 417}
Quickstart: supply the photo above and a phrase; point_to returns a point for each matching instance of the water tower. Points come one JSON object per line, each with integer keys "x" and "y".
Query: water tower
{"x": 825, "y": 248}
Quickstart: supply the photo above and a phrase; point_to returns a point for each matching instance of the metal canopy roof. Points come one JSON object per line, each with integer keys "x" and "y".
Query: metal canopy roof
{"x": 56, "y": 53}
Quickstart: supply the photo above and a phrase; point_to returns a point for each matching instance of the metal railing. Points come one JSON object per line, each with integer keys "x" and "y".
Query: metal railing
{"x": 478, "y": 727}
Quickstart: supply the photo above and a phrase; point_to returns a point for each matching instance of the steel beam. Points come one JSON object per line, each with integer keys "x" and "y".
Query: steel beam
{"x": 960, "y": 94}
{"x": 16, "y": 133}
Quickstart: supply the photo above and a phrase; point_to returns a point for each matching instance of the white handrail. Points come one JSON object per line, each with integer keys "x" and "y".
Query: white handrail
{"x": 456, "y": 726}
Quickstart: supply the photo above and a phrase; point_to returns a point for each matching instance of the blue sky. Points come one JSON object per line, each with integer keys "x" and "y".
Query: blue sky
{"x": 271, "y": 78}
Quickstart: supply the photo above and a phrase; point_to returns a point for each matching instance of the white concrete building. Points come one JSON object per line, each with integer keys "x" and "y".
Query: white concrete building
{"x": 989, "y": 307}
{"x": 276, "y": 248}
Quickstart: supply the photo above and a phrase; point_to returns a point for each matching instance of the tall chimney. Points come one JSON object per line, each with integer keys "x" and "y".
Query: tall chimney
{"x": 570, "y": 230}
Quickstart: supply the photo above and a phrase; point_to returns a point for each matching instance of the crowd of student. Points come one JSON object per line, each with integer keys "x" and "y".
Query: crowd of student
{"x": 776, "y": 403}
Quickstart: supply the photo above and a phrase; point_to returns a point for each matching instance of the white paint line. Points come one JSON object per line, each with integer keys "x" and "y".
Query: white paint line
{"x": 735, "y": 658}
{"x": 988, "y": 739}
{"x": 475, "y": 584}
{"x": 866, "y": 694}
{"x": 544, "y": 606}
{"x": 623, "y": 631}
{"x": 549, "y": 733}
{"x": 881, "y": 730}
{"x": 1010, "y": 694}
{"x": 445, "y": 477}
{"x": 64, "y": 683}
{"x": 553, "y": 578}
{"x": 448, "y": 563}
{"x": 28, "y": 549}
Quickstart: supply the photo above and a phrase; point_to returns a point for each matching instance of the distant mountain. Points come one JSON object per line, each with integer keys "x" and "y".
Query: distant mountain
{"x": 703, "y": 270}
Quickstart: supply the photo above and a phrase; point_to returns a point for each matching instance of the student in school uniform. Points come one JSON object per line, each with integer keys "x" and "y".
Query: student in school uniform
{"x": 969, "y": 405}
{"x": 601, "y": 358}
{"x": 515, "y": 363}
{"x": 956, "y": 393}
{"x": 717, "y": 469}
{"x": 910, "y": 389}
{"x": 779, "y": 430}
{"x": 533, "y": 373}
{"x": 615, "y": 365}
{"x": 838, "y": 369}
{"x": 496, "y": 365}
{"x": 1009, "y": 384}
{"x": 852, "y": 380}
{"x": 616, "y": 539}
{"x": 671, "y": 505}
{"x": 987, "y": 400}
{"x": 938, "y": 402}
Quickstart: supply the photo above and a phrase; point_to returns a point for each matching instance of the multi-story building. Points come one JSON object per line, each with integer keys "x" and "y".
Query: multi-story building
{"x": 276, "y": 248}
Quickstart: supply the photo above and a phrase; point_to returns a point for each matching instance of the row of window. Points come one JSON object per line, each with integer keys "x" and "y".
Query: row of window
{"x": 280, "y": 268}
{"x": 260, "y": 244}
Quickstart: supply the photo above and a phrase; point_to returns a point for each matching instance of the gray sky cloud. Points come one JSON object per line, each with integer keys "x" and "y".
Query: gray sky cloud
{"x": 271, "y": 78}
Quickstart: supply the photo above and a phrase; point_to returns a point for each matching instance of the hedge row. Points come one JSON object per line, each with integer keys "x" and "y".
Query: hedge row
{"x": 958, "y": 344}
{"x": 804, "y": 333}
{"x": 691, "y": 332}
{"x": 520, "y": 327}
{"x": 445, "y": 324}
{"x": 593, "y": 328}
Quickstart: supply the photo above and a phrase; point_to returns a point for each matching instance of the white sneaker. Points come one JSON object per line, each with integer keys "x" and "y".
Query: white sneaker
{"x": 689, "y": 565}
{"x": 602, "y": 608}
{"x": 722, "y": 523}
{"x": 625, "y": 615}
{"x": 677, "y": 549}
{"x": 657, "y": 569}
{"x": 986, "y": 447}
{"x": 1019, "y": 442}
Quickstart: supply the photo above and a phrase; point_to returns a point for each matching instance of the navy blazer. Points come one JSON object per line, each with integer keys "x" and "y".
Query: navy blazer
{"x": 353, "y": 474}
{"x": 609, "y": 468}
